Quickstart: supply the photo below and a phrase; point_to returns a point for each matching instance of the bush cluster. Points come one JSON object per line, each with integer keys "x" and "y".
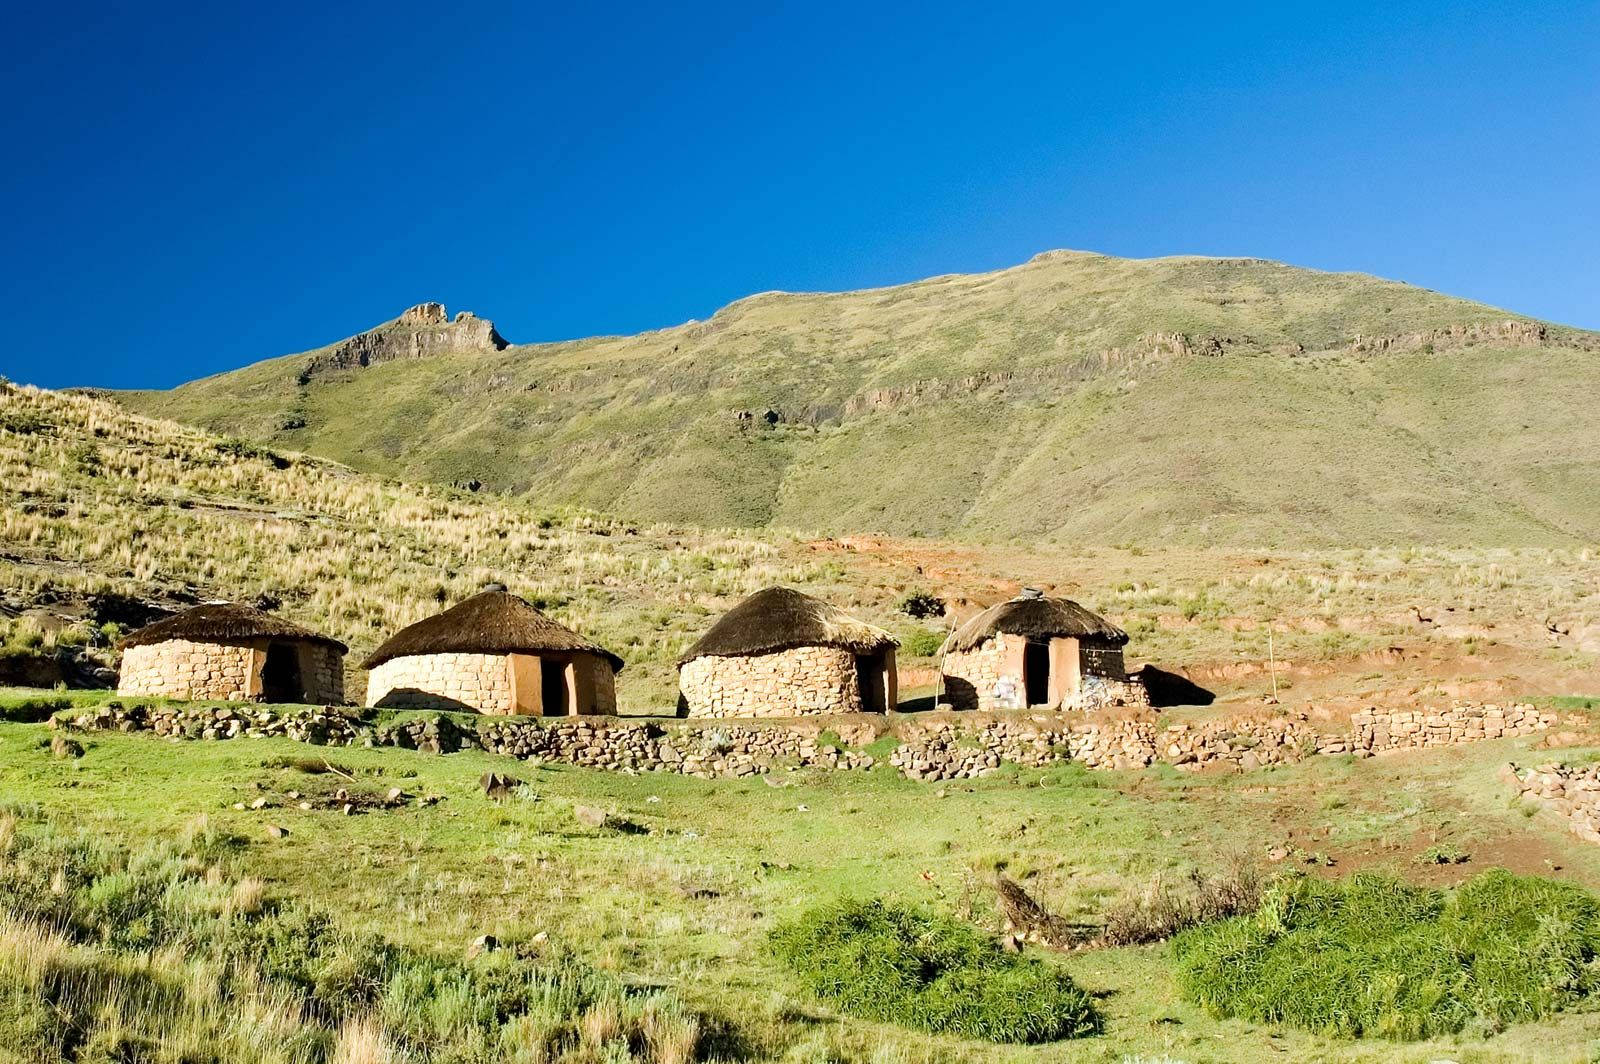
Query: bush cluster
{"x": 117, "y": 956}
{"x": 1376, "y": 957}
{"x": 898, "y": 964}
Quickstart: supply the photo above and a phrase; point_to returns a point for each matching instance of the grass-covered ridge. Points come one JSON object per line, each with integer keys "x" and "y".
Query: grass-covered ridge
{"x": 1079, "y": 396}
{"x": 1372, "y": 956}
{"x": 898, "y": 964}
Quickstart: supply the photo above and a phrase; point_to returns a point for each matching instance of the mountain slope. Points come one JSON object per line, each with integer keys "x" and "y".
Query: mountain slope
{"x": 1075, "y": 397}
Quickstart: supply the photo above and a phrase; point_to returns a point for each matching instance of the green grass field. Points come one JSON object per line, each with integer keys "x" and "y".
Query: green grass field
{"x": 686, "y": 898}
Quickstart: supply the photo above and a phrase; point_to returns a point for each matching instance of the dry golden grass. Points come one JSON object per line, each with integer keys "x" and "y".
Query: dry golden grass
{"x": 99, "y": 500}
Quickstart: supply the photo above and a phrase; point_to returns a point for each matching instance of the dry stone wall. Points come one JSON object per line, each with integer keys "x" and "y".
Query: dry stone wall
{"x": 798, "y": 682}
{"x": 935, "y": 748}
{"x": 1379, "y": 730}
{"x": 442, "y": 681}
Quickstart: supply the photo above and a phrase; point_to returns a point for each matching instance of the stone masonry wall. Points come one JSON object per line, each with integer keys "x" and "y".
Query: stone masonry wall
{"x": 442, "y": 681}
{"x": 178, "y": 668}
{"x": 1381, "y": 730}
{"x": 322, "y": 672}
{"x": 981, "y": 679}
{"x": 976, "y": 674}
{"x": 939, "y": 747}
{"x": 797, "y": 682}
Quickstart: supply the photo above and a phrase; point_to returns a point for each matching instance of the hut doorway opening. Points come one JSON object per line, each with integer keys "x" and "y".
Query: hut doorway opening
{"x": 869, "y": 681}
{"x": 1036, "y": 673}
{"x": 553, "y": 695}
{"x": 280, "y": 674}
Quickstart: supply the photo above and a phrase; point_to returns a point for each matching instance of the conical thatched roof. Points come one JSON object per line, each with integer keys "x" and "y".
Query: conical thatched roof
{"x": 1035, "y": 617}
{"x": 226, "y": 622}
{"x": 780, "y": 618}
{"x": 490, "y": 622}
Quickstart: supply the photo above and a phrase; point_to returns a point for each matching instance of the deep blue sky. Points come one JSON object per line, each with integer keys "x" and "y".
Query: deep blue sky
{"x": 191, "y": 189}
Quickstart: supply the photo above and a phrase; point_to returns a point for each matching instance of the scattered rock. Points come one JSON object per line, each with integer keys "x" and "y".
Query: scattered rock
{"x": 275, "y": 831}
{"x": 62, "y": 748}
{"x": 481, "y": 945}
{"x": 589, "y": 816}
{"x": 498, "y": 787}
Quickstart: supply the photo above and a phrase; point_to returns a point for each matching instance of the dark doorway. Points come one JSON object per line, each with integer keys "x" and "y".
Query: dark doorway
{"x": 552, "y": 687}
{"x": 1036, "y": 673}
{"x": 869, "y": 678}
{"x": 280, "y": 674}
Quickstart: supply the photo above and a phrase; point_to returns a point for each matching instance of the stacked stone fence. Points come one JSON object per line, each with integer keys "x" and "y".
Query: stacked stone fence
{"x": 929, "y": 747}
{"x": 1381, "y": 730}
{"x": 1573, "y": 792}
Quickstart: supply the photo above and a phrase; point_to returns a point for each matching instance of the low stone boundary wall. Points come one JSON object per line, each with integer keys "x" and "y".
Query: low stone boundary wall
{"x": 1380, "y": 730}
{"x": 937, "y": 747}
{"x": 1572, "y": 792}
{"x": 319, "y": 725}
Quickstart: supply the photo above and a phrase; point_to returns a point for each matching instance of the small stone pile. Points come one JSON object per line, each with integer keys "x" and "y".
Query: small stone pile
{"x": 1574, "y": 792}
{"x": 431, "y": 735}
{"x": 1244, "y": 744}
{"x": 1396, "y": 729}
{"x": 318, "y": 725}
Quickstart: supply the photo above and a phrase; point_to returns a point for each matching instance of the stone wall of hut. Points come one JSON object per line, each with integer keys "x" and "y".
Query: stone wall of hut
{"x": 797, "y": 682}
{"x": 178, "y": 668}
{"x": 486, "y": 683}
{"x": 480, "y": 682}
{"x": 972, "y": 678}
{"x": 990, "y": 676}
{"x": 322, "y": 671}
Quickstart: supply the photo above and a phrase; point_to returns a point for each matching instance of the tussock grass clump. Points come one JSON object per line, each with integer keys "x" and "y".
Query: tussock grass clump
{"x": 898, "y": 964}
{"x": 1164, "y": 907}
{"x": 1372, "y": 956}
{"x": 157, "y": 955}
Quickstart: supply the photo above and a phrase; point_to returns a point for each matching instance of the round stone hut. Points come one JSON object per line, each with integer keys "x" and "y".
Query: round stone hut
{"x": 226, "y": 650}
{"x": 781, "y": 653}
{"x": 493, "y": 653}
{"x": 1035, "y": 650}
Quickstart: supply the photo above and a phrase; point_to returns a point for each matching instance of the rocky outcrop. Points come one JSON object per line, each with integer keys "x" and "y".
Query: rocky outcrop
{"x": 423, "y": 331}
{"x": 1517, "y": 333}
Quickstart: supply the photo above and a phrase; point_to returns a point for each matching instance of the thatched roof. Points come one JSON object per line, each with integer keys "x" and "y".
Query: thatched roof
{"x": 227, "y": 622}
{"x": 490, "y": 622}
{"x": 1037, "y": 618}
{"x": 780, "y": 618}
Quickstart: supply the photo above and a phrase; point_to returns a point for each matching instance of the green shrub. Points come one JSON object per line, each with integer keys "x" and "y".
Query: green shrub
{"x": 921, "y": 643}
{"x": 921, "y": 605}
{"x": 1373, "y": 956}
{"x": 900, "y": 965}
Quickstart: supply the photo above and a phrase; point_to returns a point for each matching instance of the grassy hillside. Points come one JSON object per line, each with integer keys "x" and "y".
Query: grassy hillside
{"x": 97, "y": 501}
{"x": 1075, "y": 398}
